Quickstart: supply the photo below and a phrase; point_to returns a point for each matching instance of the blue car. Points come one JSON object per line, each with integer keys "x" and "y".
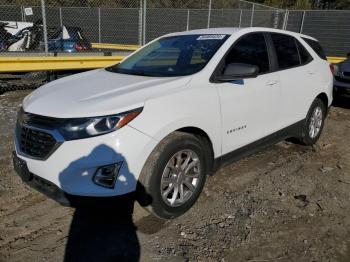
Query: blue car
{"x": 341, "y": 72}
{"x": 66, "y": 39}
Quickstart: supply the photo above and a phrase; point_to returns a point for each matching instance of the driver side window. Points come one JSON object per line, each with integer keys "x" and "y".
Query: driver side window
{"x": 250, "y": 49}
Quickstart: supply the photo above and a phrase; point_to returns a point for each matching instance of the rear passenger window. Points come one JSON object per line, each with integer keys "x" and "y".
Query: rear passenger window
{"x": 286, "y": 51}
{"x": 250, "y": 49}
{"x": 316, "y": 47}
{"x": 305, "y": 57}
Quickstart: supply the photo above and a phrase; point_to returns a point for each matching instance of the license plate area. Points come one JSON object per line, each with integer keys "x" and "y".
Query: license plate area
{"x": 21, "y": 168}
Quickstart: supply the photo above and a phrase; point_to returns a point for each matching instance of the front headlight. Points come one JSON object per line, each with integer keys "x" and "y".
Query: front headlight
{"x": 77, "y": 128}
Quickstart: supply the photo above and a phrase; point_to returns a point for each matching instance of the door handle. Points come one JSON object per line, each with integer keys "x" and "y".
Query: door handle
{"x": 271, "y": 83}
{"x": 311, "y": 72}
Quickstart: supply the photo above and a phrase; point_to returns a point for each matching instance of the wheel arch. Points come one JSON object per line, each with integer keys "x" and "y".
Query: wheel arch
{"x": 205, "y": 140}
{"x": 324, "y": 98}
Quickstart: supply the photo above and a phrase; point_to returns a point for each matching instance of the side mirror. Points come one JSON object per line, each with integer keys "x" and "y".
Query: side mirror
{"x": 237, "y": 71}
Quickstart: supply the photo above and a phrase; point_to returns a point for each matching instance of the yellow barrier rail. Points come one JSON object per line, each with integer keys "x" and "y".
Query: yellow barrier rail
{"x": 115, "y": 46}
{"x": 45, "y": 63}
{"x": 335, "y": 60}
{"x": 27, "y": 64}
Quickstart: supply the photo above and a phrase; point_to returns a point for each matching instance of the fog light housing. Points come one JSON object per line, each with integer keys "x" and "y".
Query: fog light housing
{"x": 106, "y": 176}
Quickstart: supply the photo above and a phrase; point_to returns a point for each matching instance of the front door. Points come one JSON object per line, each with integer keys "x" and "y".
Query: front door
{"x": 249, "y": 107}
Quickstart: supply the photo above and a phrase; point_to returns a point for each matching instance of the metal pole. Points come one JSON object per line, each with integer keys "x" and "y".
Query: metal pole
{"x": 43, "y": 12}
{"x": 188, "y": 20}
{"x": 252, "y": 16}
{"x": 144, "y": 21}
{"x": 99, "y": 25}
{"x": 140, "y": 23}
{"x": 240, "y": 18}
{"x": 275, "y": 19}
{"x": 302, "y": 23}
{"x": 286, "y": 15}
{"x": 61, "y": 18}
{"x": 209, "y": 13}
{"x": 22, "y": 12}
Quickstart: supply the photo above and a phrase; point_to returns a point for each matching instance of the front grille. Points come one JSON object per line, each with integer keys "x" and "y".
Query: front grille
{"x": 39, "y": 121}
{"x": 35, "y": 143}
{"x": 347, "y": 74}
{"x": 342, "y": 79}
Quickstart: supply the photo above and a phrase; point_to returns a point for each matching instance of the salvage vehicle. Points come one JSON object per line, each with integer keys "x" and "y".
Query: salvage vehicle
{"x": 68, "y": 39}
{"x": 341, "y": 72}
{"x": 4, "y": 36}
{"x": 170, "y": 114}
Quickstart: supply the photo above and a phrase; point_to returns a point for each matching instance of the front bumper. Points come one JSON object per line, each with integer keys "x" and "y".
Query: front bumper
{"x": 341, "y": 88}
{"x": 54, "y": 192}
{"x": 69, "y": 170}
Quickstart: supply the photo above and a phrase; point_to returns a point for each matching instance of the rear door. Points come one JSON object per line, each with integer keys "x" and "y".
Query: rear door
{"x": 297, "y": 75}
{"x": 249, "y": 107}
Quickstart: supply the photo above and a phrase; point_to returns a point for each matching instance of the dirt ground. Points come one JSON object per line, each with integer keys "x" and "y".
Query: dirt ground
{"x": 287, "y": 203}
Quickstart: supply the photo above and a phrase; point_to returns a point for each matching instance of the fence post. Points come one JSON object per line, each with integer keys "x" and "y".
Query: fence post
{"x": 240, "y": 18}
{"x": 302, "y": 23}
{"x": 188, "y": 20}
{"x": 140, "y": 23}
{"x": 275, "y": 19}
{"x": 252, "y": 16}
{"x": 22, "y": 13}
{"x": 209, "y": 13}
{"x": 99, "y": 25}
{"x": 144, "y": 21}
{"x": 285, "y": 21}
{"x": 61, "y": 18}
{"x": 43, "y": 13}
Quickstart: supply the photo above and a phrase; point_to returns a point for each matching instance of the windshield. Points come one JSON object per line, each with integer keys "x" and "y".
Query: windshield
{"x": 172, "y": 56}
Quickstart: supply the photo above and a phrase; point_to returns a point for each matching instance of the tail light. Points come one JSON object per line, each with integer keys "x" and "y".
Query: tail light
{"x": 79, "y": 47}
{"x": 334, "y": 69}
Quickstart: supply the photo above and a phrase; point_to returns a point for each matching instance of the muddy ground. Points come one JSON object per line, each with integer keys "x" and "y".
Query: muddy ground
{"x": 287, "y": 203}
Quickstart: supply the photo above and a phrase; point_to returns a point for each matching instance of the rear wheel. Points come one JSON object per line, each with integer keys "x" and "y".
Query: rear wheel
{"x": 173, "y": 176}
{"x": 314, "y": 123}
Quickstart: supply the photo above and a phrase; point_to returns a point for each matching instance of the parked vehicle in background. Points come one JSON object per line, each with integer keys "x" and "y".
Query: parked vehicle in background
{"x": 68, "y": 39}
{"x": 7, "y": 31}
{"x": 169, "y": 114}
{"x": 341, "y": 72}
{"x": 64, "y": 39}
{"x": 4, "y": 36}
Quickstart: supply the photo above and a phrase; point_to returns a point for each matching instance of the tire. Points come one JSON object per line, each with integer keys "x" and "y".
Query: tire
{"x": 314, "y": 123}
{"x": 162, "y": 174}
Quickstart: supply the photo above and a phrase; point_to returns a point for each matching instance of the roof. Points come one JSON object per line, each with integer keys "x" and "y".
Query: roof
{"x": 233, "y": 30}
{"x": 220, "y": 30}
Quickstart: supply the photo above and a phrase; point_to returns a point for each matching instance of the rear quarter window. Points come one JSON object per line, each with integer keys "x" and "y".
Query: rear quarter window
{"x": 316, "y": 47}
{"x": 286, "y": 51}
{"x": 305, "y": 57}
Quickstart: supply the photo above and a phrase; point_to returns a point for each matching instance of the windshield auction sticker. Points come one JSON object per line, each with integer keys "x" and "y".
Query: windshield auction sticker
{"x": 211, "y": 37}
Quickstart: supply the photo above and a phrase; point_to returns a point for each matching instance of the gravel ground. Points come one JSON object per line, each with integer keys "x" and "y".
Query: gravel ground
{"x": 287, "y": 203}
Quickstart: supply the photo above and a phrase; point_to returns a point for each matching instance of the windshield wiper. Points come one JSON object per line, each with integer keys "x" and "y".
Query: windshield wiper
{"x": 134, "y": 72}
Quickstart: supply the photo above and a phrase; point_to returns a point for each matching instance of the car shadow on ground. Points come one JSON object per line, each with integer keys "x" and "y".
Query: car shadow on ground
{"x": 102, "y": 229}
{"x": 103, "y": 234}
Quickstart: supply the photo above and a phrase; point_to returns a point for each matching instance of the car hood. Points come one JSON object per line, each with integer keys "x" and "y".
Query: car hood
{"x": 99, "y": 92}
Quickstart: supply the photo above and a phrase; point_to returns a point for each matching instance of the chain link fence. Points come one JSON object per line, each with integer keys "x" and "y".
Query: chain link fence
{"x": 46, "y": 27}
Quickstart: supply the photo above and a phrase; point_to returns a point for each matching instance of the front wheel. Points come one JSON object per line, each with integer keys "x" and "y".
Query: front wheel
{"x": 314, "y": 123}
{"x": 173, "y": 176}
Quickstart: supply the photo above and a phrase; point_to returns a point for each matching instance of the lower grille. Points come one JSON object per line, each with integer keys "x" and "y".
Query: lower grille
{"x": 342, "y": 79}
{"x": 35, "y": 143}
{"x": 346, "y": 74}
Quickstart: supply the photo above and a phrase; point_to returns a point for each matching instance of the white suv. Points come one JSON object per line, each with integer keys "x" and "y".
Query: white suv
{"x": 169, "y": 114}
